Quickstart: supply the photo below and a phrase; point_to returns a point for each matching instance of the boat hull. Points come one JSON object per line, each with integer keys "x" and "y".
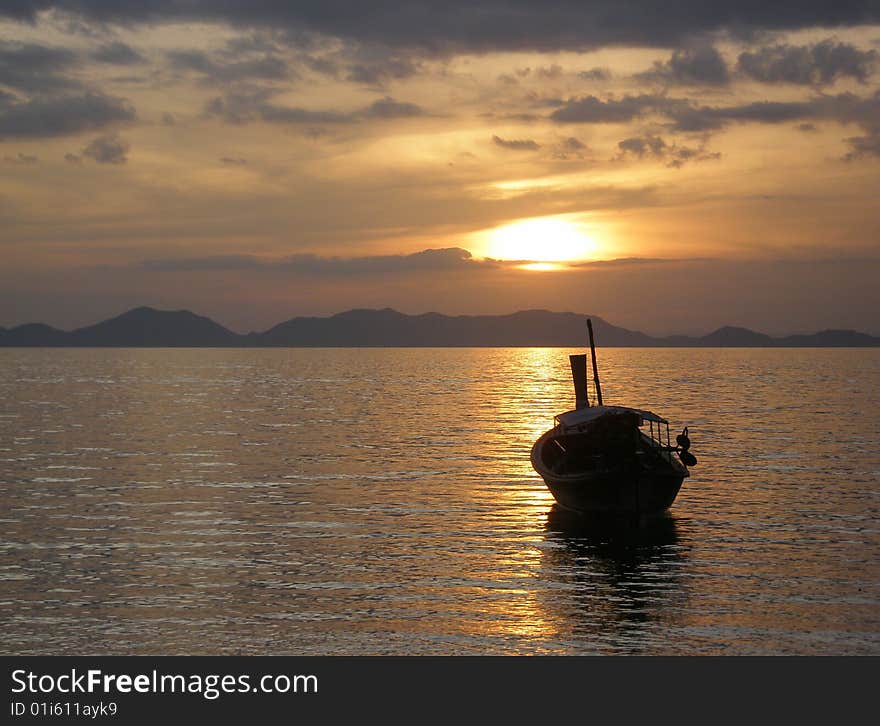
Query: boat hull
{"x": 630, "y": 488}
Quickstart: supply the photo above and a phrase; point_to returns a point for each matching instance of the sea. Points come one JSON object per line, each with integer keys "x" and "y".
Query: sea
{"x": 381, "y": 501}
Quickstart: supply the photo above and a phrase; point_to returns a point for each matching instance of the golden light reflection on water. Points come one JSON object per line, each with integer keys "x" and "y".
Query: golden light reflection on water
{"x": 382, "y": 501}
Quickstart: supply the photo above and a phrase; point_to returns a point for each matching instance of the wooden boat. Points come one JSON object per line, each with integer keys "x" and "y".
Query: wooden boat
{"x": 599, "y": 459}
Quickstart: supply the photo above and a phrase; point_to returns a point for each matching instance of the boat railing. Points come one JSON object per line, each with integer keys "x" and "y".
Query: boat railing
{"x": 655, "y": 433}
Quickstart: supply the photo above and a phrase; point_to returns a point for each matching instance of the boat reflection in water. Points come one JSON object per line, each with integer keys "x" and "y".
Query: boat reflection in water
{"x": 623, "y": 579}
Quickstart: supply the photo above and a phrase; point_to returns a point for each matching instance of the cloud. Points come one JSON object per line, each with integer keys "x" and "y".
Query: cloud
{"x": 61, "y": 115}
{"x": 238, "y": 107}
{"x": 573, "y": 144}
{"x": 378, "y": 72}
{"x": 688, "y": 117}
{"x": 109, "y": 149}
{"x": 215, "y": 72}
{"x": 654, "y": 146}
{"x": 862, "y": 146}
{"x": 478, "y": 25}
{"x": 254, "y": 105}
{"x": 570, "y": 148}
{"x": 516, "y": 144}
{"x": 233, "y": 161}
{"x": 294, "y": 115}
{"x": 388, "y": 108}
{"x": 451, "y": 258}
{"x": 642, "y": 145}
{"x": 819, "y": 64}
{"x": 843, "y": 108}
{"x": 700, "y": 65}
{"x": 118, "y": 53}
{"x": 590, "y": 109}
{"x": 72, "y": 158}
{"x": 36, "y": 68}
{"x": 595, "y": 74}
{"x": 551, "y": 72}
{"x": 325, "y": 66}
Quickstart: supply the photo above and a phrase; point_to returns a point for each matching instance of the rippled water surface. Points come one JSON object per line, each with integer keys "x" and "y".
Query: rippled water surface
{"x": 381, "y": 501}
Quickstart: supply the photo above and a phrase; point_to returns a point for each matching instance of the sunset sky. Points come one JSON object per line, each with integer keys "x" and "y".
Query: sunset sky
{"x": 671, "y": 167}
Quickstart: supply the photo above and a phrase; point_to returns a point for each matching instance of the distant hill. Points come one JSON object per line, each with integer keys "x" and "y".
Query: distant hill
{"x": 33, "y": 334}
{"x": 148, "y": 327}
{"x": 390, "y": 328}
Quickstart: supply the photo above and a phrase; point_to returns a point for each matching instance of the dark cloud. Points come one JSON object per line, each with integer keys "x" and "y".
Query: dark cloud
{"x": 595, "y": 74}
{"x": 244, "y": 107}
{"x": 573, "y": 144}
{"x": 591, "y": 110}
{"x": 863, "y": 146}
{"x": 72, "y": 158}
{"x": 700, "y": 65}
{"x": 118, "y": 53}
{"x": 325, "y": 66}
{"x": 62, "y": 115}
{"x": 642, "y": 145}
{"x": 844, "y": 108}
{"x": 233, "y": 161}
{"x": 551, "y": 72}
{"x": 516, "y": 144}
{"x": 452, "y": 258}
{"x": 688, "y": 117}
{"x": 570, "y": 148}
{"x": 109, "y": 149}
{"x": 265, "y": 42}
{"x": 481, "y": 25}
{"x": 819, "y": 64}
{"x": 379, "y": 72}
{"x": 241, "y": 107}
{"x": 218, "y": 71}
{"x": 272, "y": 113}
{"x": 35, "y": 68}
{"x": 655, "y": 147}
{"x": 388, "y": 108}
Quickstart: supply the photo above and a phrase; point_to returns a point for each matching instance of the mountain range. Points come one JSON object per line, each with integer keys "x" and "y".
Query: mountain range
{"x": 148, "y": 327}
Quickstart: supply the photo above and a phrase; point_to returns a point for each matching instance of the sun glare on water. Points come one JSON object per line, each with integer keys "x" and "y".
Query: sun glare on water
{"x": 542, "y": 243}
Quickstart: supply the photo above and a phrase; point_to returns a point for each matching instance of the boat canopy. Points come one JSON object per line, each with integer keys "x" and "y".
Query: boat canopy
{"x": 586, "y": 415}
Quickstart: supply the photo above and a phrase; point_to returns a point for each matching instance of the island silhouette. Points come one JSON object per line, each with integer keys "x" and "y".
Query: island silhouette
{"x": 149, "y": 327}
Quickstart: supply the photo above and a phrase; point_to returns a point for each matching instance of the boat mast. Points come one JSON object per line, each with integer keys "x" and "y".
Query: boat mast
{"x": 595, "y": 369}
{"x": 579, "y": 376}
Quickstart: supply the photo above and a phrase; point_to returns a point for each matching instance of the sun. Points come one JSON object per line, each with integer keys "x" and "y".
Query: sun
{"x": 540, "y": 241}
